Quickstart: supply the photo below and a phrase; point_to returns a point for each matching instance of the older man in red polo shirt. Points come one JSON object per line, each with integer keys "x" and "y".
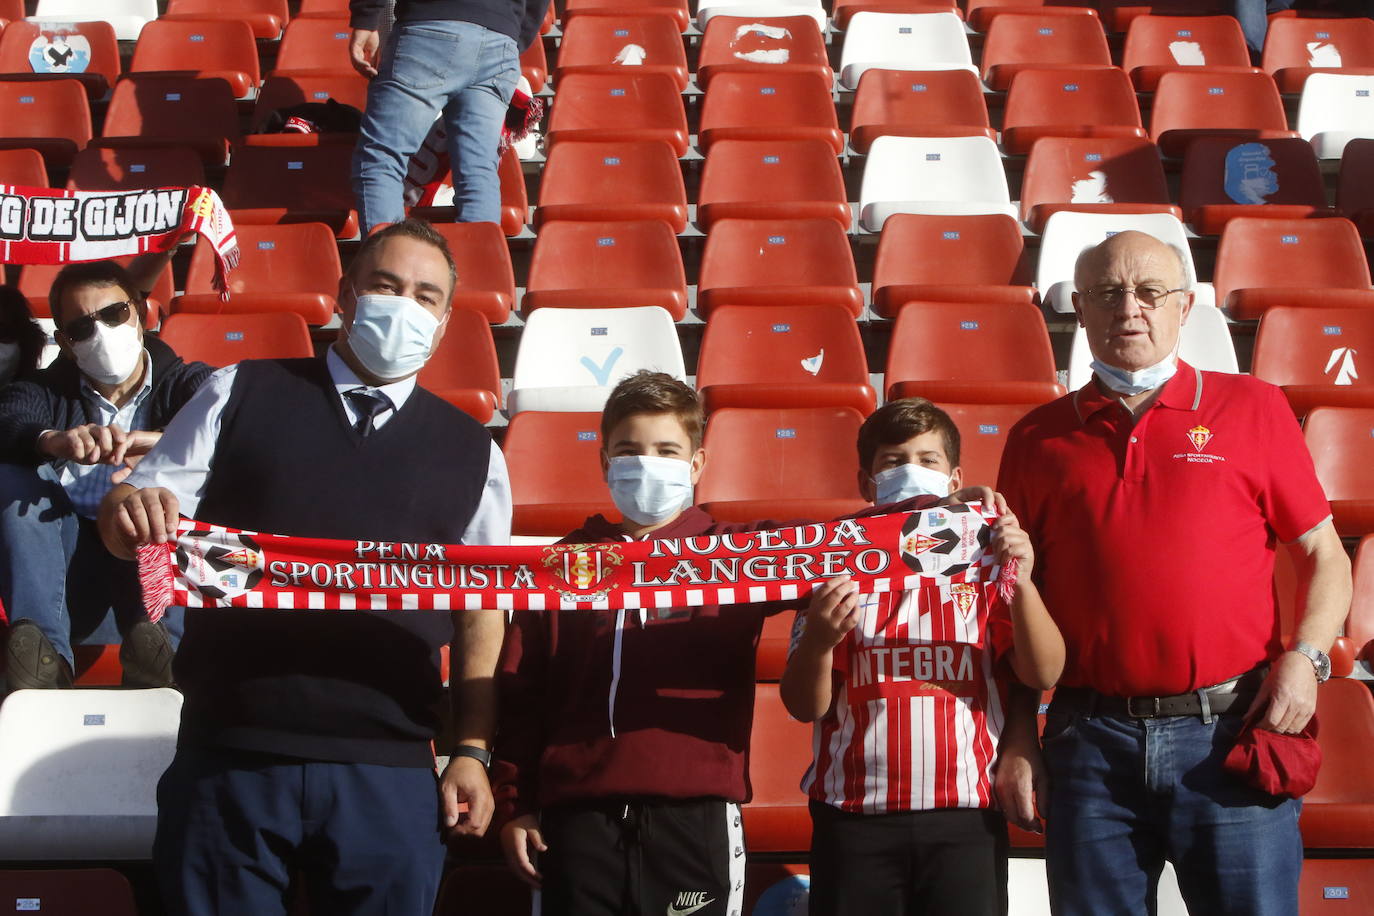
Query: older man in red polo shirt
{"x": 1155, "y": 496}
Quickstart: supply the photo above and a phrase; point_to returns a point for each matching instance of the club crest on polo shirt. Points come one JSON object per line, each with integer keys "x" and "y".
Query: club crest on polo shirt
{"x": 220, "y": 564}
{"x": 1199, "y": 437}
{"x": 583, "y": 569}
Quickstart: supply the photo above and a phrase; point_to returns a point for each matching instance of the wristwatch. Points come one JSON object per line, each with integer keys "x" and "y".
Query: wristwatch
{"x": 1319, "y": 659}
{"x": 481, "y": 755}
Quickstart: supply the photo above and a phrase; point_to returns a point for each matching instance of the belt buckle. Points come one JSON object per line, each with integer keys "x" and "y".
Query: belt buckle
{"x": 1132, "y": 707}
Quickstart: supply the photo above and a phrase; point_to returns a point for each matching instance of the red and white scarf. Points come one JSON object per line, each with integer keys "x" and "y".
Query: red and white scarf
{"x": 213, "y": 566}
{"x": 55, "y": 226}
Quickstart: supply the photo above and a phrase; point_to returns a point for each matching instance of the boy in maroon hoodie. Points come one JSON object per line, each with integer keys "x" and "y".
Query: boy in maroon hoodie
{"x": 621, "y": 756}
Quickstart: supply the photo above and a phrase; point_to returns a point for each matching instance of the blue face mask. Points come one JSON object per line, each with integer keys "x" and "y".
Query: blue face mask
{"x": 391, "y": 336}
{"x": 1136, "y": 381}
{"x": 908, "y": 480}
{"x": 648, "y": 489}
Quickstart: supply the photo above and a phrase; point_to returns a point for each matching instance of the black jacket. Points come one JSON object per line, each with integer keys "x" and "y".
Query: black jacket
{"x": 520, "y": 19}
{"x": 51, "y": 399}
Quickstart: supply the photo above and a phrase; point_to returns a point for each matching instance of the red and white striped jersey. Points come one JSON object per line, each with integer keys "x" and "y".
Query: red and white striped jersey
{"x": 917, "y": 706}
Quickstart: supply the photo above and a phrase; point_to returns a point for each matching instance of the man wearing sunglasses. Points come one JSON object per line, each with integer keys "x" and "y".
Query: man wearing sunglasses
{"x": 67, "y": 435}
{"x": 1156, "y": 496}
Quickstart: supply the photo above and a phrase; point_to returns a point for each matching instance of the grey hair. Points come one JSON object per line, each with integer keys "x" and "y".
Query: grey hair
{"x": 1185, "y": 263}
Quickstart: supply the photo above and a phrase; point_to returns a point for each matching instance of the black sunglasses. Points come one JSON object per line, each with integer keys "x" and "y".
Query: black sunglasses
{"x": 114, "y": 314}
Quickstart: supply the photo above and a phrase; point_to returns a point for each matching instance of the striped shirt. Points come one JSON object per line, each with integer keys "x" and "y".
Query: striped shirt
{"x": 918, "y": 706}
{"x": 87, "y": 484}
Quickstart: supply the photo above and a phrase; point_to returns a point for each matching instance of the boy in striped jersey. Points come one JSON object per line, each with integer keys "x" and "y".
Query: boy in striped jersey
{"x": 901, "y": 784}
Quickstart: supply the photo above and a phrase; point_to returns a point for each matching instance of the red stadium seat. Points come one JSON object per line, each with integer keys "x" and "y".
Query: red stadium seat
{"x": 780, "y": 356}
{"x": 733, "y": 44}
{"x": 606, "y": 44}
{"x": 1093, "y": 175}
{"x": 978, "y": 258}
{"x": 97, "y": 63}
{"x": 1295, "y": 48}
{"x": 1195, "y": 102}
{"x": 265, "y": 17}
{"x": 51, "y": 116}
{"x": 1360, "y": 625}
{"x": 534, "y": 65}
{"x": 971, "y": 353}
{"x": 793, "y": 462}
{"x": 515, "y": 202}
{"x": 551, "y": 500}
{"x": 579, "y": 264}
{"x": 171, "y": 111}
{"x": 201, "y": 49}
{"x": 1310, "y": 353}
{"x": 844, "y": 10}
{"x": 772, "y": 179}
{"x": 777, "y": 818}
{"x": 282, "y": 268}
{"x": 619, "y": 107}
{"x": 1339, "y": 811}
{"x": 313, "y": 45}
{"x": 983, "y": 432}
{"x": 1267, "y": 262}
{"x": 907, "y": 103}
{"x": 305, "y": 184}
{"x": 1334, "y": 887}
{"x": 982, "y": 13}
{"x": 463, "y": 370}
{"x": 130, "y": 168}
{"x": 1018, "y": 40}
{"x": 778, "y": 262}
{"x": 1341, "y": 440}
{"x": 23, "y": 167}
{"x": 1355, "y": 189}
{"x": 280, "y": 91}
{"x": 600, "y": 181}
{"x": 486, "y": 280}
{"x": 222, "y": 340}
{"x": 69, "y": 890}
{"x": 777, "y": 105}
{"x": 1069, "y": 103}
{"x": 1155, "y": 45}
{"x": 35, "y": 280}
{"x": 10, "y": 11}
{"x": 674, "y": 9}
{"x": 1225, "y": 178}
{"x": 325, "y": 9}
{"x": 771, "y": 658}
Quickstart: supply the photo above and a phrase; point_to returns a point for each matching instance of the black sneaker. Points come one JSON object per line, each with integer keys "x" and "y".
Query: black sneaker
{"x": 31, "y": 662}
{"x": 145, "y": 654}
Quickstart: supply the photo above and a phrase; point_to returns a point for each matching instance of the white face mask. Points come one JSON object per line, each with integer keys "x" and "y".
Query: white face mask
{"x": 110, "y": 355}
{"x": 647, "y": 488}
{"x": 908, "y": 480}
{"x": 391, "y": 336}
{"x": 9, "y": 360}
{"x": 1136, "y": 381}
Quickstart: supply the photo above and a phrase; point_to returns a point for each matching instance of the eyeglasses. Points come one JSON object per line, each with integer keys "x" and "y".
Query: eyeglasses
{"x": 113, "y": 315}
{"x": 1109, "y": 297}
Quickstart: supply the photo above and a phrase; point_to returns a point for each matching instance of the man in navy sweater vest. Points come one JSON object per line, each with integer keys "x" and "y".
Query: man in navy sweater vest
{"x": 305, "y": 744}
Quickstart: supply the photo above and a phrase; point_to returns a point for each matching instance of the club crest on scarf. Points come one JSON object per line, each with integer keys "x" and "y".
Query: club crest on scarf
{"x": 943, "y": 542}
{"x": 220, "y": 564}
{"x": 583, "y": 569}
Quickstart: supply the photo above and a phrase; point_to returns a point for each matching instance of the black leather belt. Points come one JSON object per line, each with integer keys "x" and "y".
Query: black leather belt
{"x": 1231, "y": 697}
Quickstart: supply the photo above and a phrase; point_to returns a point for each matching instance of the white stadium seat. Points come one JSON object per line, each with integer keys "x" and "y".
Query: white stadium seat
{"x": 940, "y": 175}
{"x": 903, "y": 41}
{"x": 128, "y": 17}
{"x": 1068, "y": 233}
{"x": 760, "y": 9}
{"x": 1335, "y": 109}
{"x": 570, "y": 359}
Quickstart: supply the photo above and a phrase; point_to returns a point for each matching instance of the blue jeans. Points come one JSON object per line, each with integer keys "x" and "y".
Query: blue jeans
{"x": 55, "y": 571}
{"x": 233, "y": 827}
{"x": 468, "y": 71}
{"x": 1254, "y": 19}
{"x": 1126, "y": 794}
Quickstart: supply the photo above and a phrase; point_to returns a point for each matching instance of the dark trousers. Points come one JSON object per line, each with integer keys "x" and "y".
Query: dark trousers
{"x": 948, "y": 862}
{"x": 233, "y": 828}
{"x": 643, "y": 858}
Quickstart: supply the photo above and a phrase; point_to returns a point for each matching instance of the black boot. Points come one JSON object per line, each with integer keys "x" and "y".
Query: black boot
{"x": 145, "y": 654}
{"x": 31, "y": 662}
